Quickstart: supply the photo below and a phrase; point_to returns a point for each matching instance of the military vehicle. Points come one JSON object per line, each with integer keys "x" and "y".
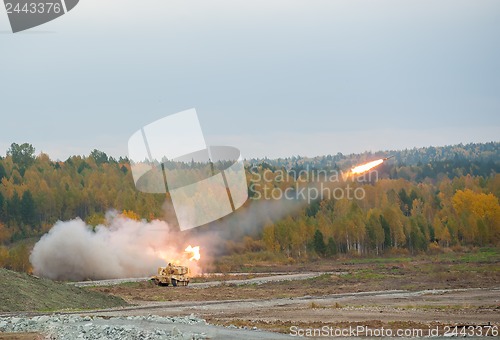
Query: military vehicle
{"x": 175, "y": 275}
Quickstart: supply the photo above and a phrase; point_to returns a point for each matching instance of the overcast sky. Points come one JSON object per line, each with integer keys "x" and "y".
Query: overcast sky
{"x": 272, "y": 78}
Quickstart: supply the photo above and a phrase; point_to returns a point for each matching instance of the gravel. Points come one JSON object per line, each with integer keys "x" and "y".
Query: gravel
{"x": 145, "y": 327}
{"x": 87, "y": 327}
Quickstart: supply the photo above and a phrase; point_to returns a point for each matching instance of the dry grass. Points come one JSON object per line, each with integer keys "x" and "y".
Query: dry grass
{"x": 460, "y": 271}
{"x": 21, "y": 292}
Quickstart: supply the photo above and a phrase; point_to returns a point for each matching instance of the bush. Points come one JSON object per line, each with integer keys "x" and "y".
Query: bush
{"x": 19, "y": 259}
{"x": 4, "y": 257}
{"x": 434, "y": 249}
{"x": 399, "y": 251}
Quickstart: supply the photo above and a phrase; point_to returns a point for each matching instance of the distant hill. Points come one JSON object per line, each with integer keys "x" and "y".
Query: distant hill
{"x": 471, "y": 152}
{"x": 476, "y": 159}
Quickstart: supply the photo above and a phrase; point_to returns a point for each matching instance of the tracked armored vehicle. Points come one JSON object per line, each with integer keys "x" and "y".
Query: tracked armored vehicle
{"x": 174, "y": 275}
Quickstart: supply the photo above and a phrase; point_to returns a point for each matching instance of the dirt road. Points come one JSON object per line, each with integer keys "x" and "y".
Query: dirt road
{"x": 406, "y": 309}
{"x": 388, "y": 294}
{"x": 261, "y": 279}
{"x": 393, "y": 293}
{"x": 463, "y": 306}
{"x": 236, "y": 317}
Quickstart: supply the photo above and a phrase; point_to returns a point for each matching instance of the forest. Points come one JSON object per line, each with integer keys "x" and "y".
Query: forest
{"x": 422, "y": 200}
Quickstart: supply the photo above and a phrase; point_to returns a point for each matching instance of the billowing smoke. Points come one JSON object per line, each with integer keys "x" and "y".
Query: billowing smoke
{"x": 123, "y": 248}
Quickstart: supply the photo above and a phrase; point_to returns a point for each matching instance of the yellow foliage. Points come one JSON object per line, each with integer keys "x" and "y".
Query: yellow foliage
{"x": 19, "y": 258}
{"x": 96, "y": 219}
{"x": 479, "y": 204}
{"x": 481, "y": 212}
{"x": 5, "y": 234}
{"x": 4, "y": 257}
{"x": 130, "y": 215}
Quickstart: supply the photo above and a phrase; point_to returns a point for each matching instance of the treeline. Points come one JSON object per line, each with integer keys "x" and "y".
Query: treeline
{"x": 36, "y": 192}
{"x": 425, "y": 199}
{"x": 396, "y": 216}
{"x": 479, "y": 153}
{"x": 429, "y": 197}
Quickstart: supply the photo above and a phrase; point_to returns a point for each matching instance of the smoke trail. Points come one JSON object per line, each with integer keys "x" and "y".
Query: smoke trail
{"x": 125, "y": 248}
{"x": 249, "y": 220}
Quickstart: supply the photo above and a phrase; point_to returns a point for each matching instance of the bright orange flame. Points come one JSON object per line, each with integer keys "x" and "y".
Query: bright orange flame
{"x": 194, "y": 252}
{"x": 366, "y": 167}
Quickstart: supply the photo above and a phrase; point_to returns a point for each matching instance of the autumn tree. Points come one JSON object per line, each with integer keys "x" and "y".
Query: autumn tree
{"x": 28, "y": 209}
{"x": 357, "y": 226}
{"x": 99, "y": 157}
{"x": 319, "y": 243}
{"x": 480, "y": 214}
{"x": 387, "y": 231}
{"x": 3, "y": 172}
{"x": 14, "y": 208}
{"x": 19, "y": 258}
{"x": 442, "y": 234}
{"x": 331, "y": 247}
{"x": 269, "y": 238}
{"x": 130, "y": 214}
{"x": 2, "y": 208}
{"x": 395, "y": 222}
{"x": 23, "y": 155}
{"x": 4, "y": 257}
{"x": 375, "y": 231}
{"x": 4, "y": 234}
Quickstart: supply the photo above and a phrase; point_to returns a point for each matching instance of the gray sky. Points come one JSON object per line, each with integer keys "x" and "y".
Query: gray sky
{"x": 273, "y": 78}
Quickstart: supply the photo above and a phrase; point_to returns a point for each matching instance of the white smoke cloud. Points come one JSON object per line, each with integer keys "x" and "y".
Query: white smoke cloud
{"x": 124, "y": 248}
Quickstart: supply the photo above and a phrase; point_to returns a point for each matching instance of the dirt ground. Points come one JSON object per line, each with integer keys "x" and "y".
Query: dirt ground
{"x": 389, "y": 309}
{"x": 395, "y": 293}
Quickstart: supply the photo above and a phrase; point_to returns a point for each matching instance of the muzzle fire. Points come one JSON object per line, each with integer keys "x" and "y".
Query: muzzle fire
{"x": 194, "y": 252}
{"x": 179, "y": 272}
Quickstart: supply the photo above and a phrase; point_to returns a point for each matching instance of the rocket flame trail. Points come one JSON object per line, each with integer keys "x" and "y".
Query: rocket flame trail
{"x": 194, "y": 252}
{"x": 366, "y": 167}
